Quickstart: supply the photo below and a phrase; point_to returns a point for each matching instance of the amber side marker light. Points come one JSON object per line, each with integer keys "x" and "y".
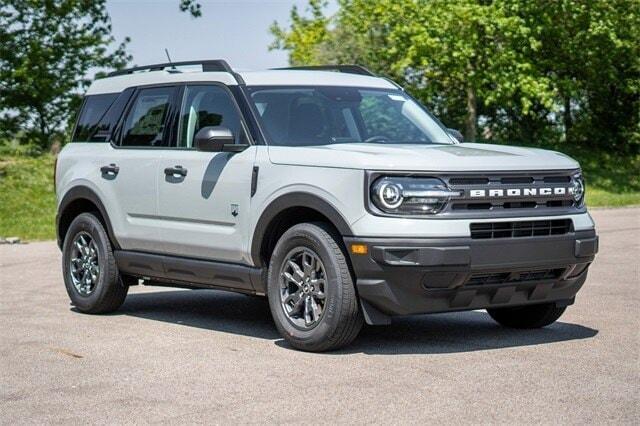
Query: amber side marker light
{"x": 359, "y": 249}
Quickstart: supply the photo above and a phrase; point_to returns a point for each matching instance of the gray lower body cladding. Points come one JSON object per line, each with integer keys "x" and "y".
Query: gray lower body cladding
{"x": 416, "y": 276}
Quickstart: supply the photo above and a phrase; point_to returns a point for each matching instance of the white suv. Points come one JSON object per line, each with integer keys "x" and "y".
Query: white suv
{"x": 327, "y": 189}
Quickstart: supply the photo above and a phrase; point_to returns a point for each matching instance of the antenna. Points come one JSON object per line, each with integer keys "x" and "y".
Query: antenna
{"x": 169, "y": 58}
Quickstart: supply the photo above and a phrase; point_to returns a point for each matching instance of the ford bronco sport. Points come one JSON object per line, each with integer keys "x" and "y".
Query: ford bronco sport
{"x": 326, "y": 189}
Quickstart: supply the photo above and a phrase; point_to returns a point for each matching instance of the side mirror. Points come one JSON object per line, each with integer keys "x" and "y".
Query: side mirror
{"x": 217, "y": 139}
{"x": 456, "y": 134}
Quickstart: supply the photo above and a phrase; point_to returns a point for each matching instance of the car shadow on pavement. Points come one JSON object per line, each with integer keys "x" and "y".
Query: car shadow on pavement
{"x": 208, "y": 309}
{"x": 423, "y": 334}
{"x": 457, "y": 332}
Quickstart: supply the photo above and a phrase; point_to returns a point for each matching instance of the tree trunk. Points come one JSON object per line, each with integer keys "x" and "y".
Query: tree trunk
{"x": 568, "y": 120}
{"x": 43, "y": 136}
{"x": 471, "y": 122}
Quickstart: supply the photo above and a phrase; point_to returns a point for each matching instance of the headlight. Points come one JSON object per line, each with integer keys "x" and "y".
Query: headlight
{"x": 410, "y": 195}
{"x": 577, "y": 188}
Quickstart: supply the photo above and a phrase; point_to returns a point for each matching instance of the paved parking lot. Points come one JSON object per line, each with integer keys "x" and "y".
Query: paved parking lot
{"x": 178, "y": 356}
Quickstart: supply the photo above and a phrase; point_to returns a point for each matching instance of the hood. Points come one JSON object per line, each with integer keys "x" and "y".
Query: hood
{"x": 444, "y": 158}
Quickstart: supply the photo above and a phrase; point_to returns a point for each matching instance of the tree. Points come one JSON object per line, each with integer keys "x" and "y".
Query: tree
{"x": 47, "y": 48}
{"x": 454, "y": 55}
{"x": 591, "y": 52}
{"x": 537, "y": 72}
{"x": 306, "y": 36}
{"x": 191, "y": 6}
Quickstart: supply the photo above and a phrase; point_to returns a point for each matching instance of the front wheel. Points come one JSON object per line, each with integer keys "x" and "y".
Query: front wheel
{"x": 533, "y": 316}
{"x": 311, "y": 292}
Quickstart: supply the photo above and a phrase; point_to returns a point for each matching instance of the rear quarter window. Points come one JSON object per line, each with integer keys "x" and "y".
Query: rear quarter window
{"x": 99, "y": 116}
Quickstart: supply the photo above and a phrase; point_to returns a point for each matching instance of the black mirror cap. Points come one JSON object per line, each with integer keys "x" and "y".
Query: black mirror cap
{"x": 456, "y": 134}
{"x": 213, "y": 139}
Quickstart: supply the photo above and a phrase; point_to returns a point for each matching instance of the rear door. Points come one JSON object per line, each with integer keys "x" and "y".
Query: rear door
{"x": 130, "y": 176}
{"x": 204, "y": 197}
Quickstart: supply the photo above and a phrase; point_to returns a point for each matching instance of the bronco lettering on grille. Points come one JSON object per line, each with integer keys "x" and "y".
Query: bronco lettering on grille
{"x": 517, "y": 192}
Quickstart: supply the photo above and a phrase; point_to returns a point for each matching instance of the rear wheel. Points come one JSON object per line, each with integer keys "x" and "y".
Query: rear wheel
{"x": 533, "y": 316}
{"x": 311, "y": 292}
{"x": 90, "y": 273}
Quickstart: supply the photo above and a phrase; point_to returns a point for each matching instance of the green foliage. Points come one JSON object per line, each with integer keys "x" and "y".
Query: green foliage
{"x": 27, "y": 199}
{"x": 47, "y": 49}
{"x": 528, "y": 71}
{"x": 191, "y": 6}
{"x": 308, "y": 32}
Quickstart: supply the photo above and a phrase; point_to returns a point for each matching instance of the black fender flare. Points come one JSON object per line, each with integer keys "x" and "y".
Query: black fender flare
{"x": 294, "y": 199}
{"x": 83, "y": 193}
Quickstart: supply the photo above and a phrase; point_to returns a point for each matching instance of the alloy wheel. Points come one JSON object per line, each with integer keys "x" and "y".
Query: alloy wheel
{"x": 302, "y": 287}
{"x": 83, "y": 266}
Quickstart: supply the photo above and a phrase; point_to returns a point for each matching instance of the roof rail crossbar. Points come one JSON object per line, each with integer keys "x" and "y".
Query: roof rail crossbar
{"x": 207, "y": 65}
{"x": 346, "y": 68}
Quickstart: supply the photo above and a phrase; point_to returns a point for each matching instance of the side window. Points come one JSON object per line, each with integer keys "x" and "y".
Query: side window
{"x": 204, "y": 106}
{"x": 93, "y": 110}
{"x": 110, "y": 119}
{"x": 146, "y": 121}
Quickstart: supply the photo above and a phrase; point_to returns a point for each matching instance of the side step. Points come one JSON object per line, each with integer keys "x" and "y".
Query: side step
{"x": 206, "y": 273}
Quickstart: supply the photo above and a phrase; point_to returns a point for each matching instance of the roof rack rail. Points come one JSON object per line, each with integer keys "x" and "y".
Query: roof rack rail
{"x": 207, "y": 65}
{"x": 346, "y": 68}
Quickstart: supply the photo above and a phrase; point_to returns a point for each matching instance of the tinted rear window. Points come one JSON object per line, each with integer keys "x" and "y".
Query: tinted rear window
{"x": 110, "y": 119}
{"x": 94, "y": 108}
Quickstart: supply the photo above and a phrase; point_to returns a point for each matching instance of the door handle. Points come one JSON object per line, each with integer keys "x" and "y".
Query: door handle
{"x": 175, "y": 171}
{"x": 110, "y": 170}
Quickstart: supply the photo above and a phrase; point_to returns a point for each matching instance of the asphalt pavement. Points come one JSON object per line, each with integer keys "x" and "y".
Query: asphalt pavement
{"x": 202, "y": 356}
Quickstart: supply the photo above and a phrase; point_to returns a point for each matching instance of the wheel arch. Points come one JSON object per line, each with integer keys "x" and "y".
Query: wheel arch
{"x": 81, "y": 199}
{"x": 286, "y": 211}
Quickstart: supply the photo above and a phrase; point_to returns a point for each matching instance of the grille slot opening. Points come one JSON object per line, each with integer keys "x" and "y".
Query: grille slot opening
{"x": 536, "y": 228}
{"x": 472, "y": 206}
{"x": 516, "y": 180}
{"x": 514, "y": 277}
{"x": 468, "y": 181}
{"x": 559, "y": 203}
{"x": 557, "y": 179}
{"x": 521, "y": 205}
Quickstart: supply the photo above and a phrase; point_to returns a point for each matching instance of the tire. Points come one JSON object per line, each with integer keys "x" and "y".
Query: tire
{"x": 533, "y": 316}
{"x": 338, "y": 319}
{"x": 107, "y": 291}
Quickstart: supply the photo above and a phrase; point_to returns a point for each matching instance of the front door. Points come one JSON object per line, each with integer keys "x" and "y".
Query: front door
{"x": 204, "y": 197}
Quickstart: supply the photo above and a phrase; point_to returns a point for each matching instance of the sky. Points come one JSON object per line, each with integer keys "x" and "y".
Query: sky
{"x": 237, "y": 31}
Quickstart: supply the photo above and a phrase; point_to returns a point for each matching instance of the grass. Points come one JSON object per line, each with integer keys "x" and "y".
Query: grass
{"x": 597, "y": 197}
{"x": 27, "y": 199}
{"x": 613, "y": 180}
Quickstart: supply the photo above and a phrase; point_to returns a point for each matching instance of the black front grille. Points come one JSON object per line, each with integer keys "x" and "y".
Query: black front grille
{"x": 514, "y": 277}
{"x": 534, "y": 228}
{"x": 518, "y": 200}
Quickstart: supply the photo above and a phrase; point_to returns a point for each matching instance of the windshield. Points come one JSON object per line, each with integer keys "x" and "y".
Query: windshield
{"x": 324, "y": 115}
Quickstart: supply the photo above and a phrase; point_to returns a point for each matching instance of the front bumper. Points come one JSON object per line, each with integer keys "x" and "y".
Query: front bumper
{"x": 416, "y": 276}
